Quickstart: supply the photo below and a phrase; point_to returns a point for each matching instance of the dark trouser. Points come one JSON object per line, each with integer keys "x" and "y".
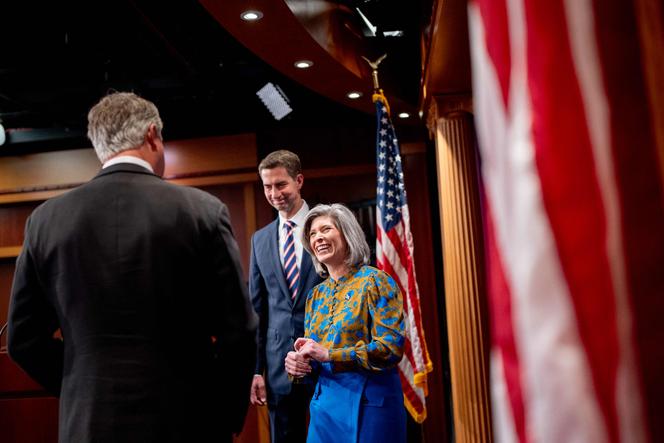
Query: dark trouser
{"x": 289, "y": 415}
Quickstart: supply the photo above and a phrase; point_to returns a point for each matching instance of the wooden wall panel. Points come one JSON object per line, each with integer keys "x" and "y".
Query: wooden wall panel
{"x": 210, "y": 155}
{"x": 37, "y": 177}
{"x": 27, "y": 414}
{"x": 47, "y": 170}
{"x": 12, "y": 222}
{"x": 339, "y": 189}
{"x": 15, "y": 383}
{"x": 29, "y": 420}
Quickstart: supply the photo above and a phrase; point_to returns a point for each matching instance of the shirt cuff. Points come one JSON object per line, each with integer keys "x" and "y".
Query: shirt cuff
{"x": 342, "y": 359}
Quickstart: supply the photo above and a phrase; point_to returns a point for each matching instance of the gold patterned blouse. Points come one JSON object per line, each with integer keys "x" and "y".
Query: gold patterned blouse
{"x": 359, "y": 319}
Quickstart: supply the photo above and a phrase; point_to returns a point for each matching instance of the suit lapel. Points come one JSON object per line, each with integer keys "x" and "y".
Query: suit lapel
{"x": 276, "y": 261}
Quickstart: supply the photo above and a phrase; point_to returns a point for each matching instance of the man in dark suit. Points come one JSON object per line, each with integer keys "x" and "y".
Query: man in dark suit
{"x": 281, "y": 276}
{"x": 144, "y": 281}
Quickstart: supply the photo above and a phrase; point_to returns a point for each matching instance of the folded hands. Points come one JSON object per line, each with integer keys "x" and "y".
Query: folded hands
{"x": 298, "y": 362}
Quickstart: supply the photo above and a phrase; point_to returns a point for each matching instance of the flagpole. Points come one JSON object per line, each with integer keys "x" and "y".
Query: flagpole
{"x": 394, "y": 252}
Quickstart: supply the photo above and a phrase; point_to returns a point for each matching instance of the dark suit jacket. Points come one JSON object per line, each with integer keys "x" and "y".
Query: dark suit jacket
{"x": 138, "y": 274}
{"x": 281, "y": 318}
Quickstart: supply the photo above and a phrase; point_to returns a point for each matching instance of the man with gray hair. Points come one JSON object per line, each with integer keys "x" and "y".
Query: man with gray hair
{"x": 143, "y": 279}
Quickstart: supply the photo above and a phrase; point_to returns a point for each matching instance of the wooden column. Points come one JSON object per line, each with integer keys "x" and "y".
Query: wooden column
{"x": 650, "y": 22}
{"x": 450, "y": 121}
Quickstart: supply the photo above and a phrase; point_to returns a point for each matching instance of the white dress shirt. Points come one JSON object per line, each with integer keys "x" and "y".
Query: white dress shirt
{"x": 298, "y": 219}
{"x": 128, "y": 159}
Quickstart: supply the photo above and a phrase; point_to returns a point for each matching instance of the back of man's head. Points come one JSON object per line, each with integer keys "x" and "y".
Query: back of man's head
{"x": 282, "y": 158}
{"x": 119, "y": 122}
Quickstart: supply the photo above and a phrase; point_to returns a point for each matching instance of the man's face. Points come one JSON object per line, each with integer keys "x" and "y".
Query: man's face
{"x": 281, "y": 190}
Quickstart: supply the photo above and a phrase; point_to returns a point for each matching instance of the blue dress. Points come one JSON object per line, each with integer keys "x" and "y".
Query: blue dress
{"x": 358, "y": 396}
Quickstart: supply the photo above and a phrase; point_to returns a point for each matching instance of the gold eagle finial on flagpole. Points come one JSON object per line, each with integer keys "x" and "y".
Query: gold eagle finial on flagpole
{"x": 378, "y": 93}
{"x": 374, "y": 70}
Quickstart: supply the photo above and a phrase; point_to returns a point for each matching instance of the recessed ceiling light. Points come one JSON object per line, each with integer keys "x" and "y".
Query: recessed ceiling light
{"x": 354, "y": 95}
{"x": 251, "y": 16}
{"x": 404, "y": 115}
{"x": 304, "y": 64}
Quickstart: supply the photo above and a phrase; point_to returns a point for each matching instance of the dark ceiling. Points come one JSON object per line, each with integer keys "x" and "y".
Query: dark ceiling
{"x": 60, "y": 57}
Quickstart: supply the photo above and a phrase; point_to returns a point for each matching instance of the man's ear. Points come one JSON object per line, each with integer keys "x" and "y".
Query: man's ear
{"x": 151, "y": 137}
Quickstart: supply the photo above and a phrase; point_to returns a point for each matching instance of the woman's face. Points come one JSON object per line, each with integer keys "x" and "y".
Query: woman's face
{"x": 326, "y": 241}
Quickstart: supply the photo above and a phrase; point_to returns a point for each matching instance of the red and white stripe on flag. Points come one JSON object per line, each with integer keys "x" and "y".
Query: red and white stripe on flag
{"x": 394, "y": 255}
{"x": 570, "y": 177}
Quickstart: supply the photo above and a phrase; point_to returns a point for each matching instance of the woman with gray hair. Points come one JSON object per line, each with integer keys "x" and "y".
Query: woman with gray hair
{"x": 354, "y": 336}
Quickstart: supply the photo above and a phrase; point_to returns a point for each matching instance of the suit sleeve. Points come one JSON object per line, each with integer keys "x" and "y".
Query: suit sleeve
{"x": 235, "y": 322}
{"x": 258, "y": 293}
{"x": 32, "y": 323}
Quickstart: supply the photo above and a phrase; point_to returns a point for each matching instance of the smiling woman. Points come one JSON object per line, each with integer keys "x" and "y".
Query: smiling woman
{"x": 334, "y": 228}
{"x": 328, "y": 245}
{"x": 354, "y": 336}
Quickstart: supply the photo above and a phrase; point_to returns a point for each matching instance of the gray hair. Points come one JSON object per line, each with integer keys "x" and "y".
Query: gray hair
{"x": 119, "y": 122}
{"x": 346, "y": 223}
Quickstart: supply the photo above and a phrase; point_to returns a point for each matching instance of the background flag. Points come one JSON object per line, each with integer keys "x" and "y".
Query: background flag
{"x": 394, "y": 255}
{"x": 573, "y": 213}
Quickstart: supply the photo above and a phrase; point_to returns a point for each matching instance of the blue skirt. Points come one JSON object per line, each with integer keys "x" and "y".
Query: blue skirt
{"x": 357, "y": 407}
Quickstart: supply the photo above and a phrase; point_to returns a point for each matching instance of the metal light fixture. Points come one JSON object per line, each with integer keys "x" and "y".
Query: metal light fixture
{"x": 274, "y": 100}
{"x": 2, "y": 134}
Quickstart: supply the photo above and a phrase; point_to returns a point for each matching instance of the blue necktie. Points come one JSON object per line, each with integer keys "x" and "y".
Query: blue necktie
{"x": 290, "y": 260}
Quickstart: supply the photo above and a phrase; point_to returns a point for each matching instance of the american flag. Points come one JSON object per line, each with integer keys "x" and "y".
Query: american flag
{"x": 573, "y": 215}
{"x": 394, "y": 255}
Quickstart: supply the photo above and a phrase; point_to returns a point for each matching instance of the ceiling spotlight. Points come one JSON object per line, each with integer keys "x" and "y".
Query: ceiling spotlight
{"x": 251, "y": 15}
{"x": 274, "y": 100}
{"x": 353, "y": 95}
{"x": 404, "y": 115}
{"x": 304, "y": 64}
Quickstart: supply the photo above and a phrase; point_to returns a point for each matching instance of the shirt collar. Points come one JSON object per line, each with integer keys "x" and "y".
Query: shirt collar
{"x": 128, "y": 159}
{"x": 352, "y": 270}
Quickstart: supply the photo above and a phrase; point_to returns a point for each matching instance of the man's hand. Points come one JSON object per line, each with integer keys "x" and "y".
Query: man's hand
{"x": 297, "y": 365}
{"x": 258, "y": 396}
